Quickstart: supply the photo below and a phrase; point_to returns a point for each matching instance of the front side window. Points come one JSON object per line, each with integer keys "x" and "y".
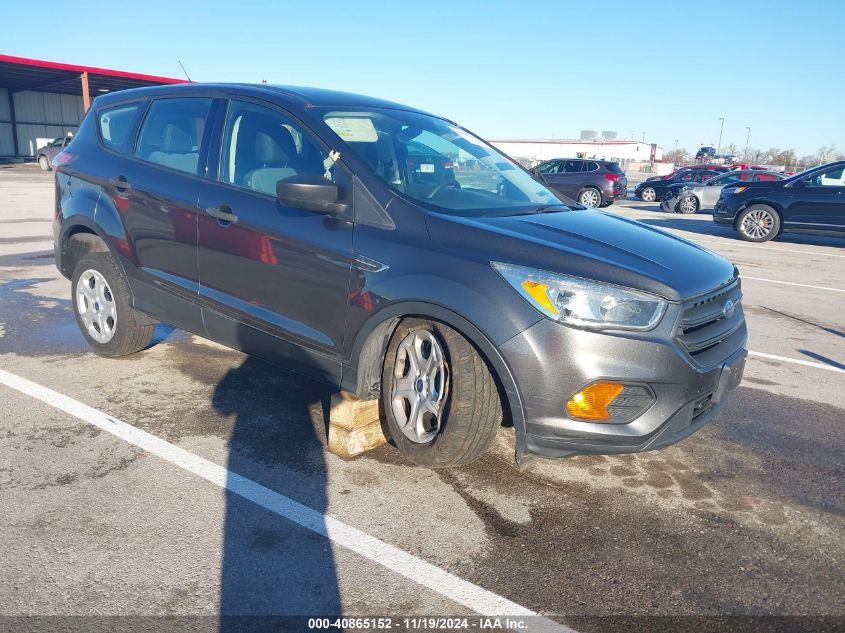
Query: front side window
{"x": 726, "y": 178}
{"x": 552, "y": 167}
{"x": 261, "y": 146}
{"x": 831, "y": 178}
{"x": 58, "y": 142}
{"x": 457, "y": 172}
{"x": 172, "y": 131}
{"x": 116, "y": 123}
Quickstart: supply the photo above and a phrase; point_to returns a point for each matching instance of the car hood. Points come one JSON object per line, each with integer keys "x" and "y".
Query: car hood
{"x": 590, "y": 244}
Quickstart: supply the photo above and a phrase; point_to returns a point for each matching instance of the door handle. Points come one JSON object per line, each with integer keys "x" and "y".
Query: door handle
{"x": 223, "y": 212}
{"x": 120, "y": 182}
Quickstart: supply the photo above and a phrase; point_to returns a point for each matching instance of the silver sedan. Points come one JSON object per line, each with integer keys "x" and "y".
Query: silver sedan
{"x": 691, "y": 197}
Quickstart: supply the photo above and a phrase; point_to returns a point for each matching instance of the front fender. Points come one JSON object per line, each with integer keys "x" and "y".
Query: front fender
{"x": 363, "y": 375}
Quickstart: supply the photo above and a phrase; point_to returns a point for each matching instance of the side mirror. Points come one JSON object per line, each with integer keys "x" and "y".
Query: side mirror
{"x": 313, "y": 193}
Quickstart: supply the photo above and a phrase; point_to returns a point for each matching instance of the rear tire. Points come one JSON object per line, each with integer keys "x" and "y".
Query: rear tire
{"x": 101, "y": 306}
{"x": 758, "y": 223}
{"x": 43, "y": 163}
{"x": 590, "y": 197}
{"x": 432, "y": 366}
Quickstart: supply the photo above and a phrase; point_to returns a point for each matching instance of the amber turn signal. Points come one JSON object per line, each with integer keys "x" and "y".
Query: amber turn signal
{"x": 591, "y": 402}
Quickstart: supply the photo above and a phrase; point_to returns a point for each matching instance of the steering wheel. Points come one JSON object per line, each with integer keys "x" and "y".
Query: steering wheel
{"x": 442, "y": 186}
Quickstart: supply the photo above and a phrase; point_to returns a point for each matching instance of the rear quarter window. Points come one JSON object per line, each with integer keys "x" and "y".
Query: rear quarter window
{"x": 115, "y": 125}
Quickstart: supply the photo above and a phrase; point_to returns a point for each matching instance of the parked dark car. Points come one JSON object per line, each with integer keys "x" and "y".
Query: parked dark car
{"x": 593, "y": 183}
{"x": 810, "y": 202}
{"x": 654, "y": 190}
{"x": 286, "y": 223}
{"x": 45, "y": 155}
{"x": 705, "y": 153}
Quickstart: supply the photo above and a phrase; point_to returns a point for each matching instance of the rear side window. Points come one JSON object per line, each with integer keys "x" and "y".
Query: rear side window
{"x": 172, "y": 131}
{"x": 573, "y": 166}
{"x": 115, "y": 125}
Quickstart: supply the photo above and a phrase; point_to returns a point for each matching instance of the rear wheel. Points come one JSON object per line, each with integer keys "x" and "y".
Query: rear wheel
{"x": 441, "y": 402}
{"x": 758, "y": 223}
{"x": 590, "y": 197}
{"x": 688, "y": 204}
{"x": 43, "y": 163}
{"x": 648, "y": 194}
{"x": 102, "y": 310}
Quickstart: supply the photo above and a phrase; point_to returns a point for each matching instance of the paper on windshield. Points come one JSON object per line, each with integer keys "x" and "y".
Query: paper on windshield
{"x": 354, "y": 129}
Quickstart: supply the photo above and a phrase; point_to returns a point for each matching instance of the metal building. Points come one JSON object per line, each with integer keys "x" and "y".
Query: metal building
{"x": 41, "y": 100}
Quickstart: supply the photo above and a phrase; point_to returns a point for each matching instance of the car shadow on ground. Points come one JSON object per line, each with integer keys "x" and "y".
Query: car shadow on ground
{"x": 35, "y": 325}
{"x": 273, "y": 567}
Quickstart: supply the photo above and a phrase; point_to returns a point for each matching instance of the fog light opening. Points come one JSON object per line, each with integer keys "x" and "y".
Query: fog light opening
{"x": 591, "y": 402}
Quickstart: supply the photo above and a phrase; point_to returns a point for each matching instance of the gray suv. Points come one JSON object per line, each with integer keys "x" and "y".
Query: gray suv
{"x": 395, "y": 255}
{"x": 593, "y": 183}
{"x": 45, "y": 154}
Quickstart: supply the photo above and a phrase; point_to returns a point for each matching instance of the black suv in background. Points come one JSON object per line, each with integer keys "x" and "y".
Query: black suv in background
{"x": 593, "y": 183}
{"x": 333, "y": 234}
{"x": 810, "y": 202}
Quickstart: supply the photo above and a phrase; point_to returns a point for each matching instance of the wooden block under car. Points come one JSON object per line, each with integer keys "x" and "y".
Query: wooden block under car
{"x": 354, "y": 425}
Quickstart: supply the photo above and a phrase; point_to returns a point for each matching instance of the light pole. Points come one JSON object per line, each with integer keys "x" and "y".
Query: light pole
{"x": 747, "y": 136}
{"x": 721, "y": 129}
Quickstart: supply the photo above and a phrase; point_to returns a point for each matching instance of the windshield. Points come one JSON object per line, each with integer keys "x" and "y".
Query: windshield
{"x": 438, "y": 164}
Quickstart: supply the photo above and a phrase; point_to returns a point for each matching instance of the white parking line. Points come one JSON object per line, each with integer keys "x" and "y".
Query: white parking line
{"x": 792, "y": 283}
{"x": 798, "y": 361}
{"x": 438, "y": 580}
{"x": 768, "y": 248}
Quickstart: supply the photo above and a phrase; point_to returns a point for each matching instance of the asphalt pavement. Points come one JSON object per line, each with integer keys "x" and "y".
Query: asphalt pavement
{"x": 230, "y": 504}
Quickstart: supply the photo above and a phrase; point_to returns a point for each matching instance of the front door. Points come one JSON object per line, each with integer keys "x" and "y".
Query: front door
{"x": 818, "y": 202}
{"x": 274, "y": 280}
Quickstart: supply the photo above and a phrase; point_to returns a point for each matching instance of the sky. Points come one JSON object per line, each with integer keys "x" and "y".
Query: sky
{"x": 504, "y": 69}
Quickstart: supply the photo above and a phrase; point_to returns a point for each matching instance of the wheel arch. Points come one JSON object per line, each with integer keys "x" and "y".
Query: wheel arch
{"x": 79, "y": 237}
{"x": 370, "y": 346}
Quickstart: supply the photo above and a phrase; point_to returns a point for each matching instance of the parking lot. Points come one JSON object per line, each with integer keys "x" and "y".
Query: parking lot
{"x": 747, "y": 517}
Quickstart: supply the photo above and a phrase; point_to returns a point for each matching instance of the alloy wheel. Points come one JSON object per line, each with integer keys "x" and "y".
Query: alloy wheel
{"x": 648, "y": 195}
{"x": 420, "y": 385}
{"x": 590, "y": 198}
{"x": 96, "y": 306}
{"x": 757, "y": 224}
{"x": 689, "y": 205}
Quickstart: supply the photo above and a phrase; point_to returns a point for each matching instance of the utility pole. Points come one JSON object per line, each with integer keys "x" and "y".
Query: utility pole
{"x": 747, "y": 136}
{"x": 721, "y": 129}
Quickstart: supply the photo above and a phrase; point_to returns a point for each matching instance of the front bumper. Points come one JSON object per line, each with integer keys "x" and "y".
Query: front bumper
{"x": 723, "y": 214}
{"x": 670, "y": 204}
{"x": 551, "y": 362}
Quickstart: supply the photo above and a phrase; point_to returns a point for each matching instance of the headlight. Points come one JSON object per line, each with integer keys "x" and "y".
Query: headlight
{"x": 581, "y": 302}
{"x": 735, "y": 189}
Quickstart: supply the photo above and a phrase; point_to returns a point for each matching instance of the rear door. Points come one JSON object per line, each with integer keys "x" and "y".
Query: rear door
{"x": 274, "y": 279}
{"x": 818, "y": 202}
{"x": 155, "y": 191}
{"x": 566, "y": 178}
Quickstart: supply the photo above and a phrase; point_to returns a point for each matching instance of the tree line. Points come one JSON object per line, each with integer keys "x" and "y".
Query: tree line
{"x": 773, "y": 156}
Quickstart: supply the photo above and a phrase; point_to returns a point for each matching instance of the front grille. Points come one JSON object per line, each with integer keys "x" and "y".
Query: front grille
{"x": 706, "y": 333}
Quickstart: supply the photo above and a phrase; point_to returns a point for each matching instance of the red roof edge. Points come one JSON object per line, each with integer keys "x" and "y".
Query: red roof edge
{"x": 38, "y": 63}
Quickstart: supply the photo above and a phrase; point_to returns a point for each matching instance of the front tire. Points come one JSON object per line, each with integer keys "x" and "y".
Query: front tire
{"x": 648, "y": 194}
{"x": 688, "y": 204}
{"x": 440, "y": 400}
{"x": 758, "y": 223}
{"x": 44, "y": 163}
{"x": 101, "y": 296}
